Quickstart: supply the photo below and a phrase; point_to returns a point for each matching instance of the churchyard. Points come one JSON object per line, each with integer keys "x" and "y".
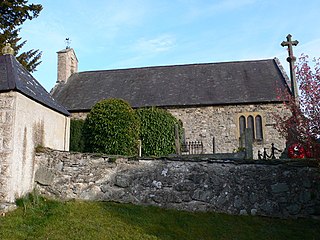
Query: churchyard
{"x": 218, "y": 150}
{"x": 141, "y": 156}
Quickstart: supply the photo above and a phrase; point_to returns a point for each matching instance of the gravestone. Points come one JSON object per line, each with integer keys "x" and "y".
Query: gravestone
{"x": 246, "y": 141}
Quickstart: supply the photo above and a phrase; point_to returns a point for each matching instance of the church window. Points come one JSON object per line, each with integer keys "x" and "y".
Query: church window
{"x": 259, "y": 133}
{"x": 253, "y": 121}
{"x": 251, "y": 124}
{"x": 242, "y": 124}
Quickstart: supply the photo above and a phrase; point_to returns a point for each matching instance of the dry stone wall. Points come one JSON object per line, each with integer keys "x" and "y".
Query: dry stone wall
{"x": 277, "y": 188}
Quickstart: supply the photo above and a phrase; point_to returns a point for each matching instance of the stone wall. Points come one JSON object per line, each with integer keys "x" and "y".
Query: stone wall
{"x": 277, "y": 188}
{"x": 79, "y": 115}
{"x": 7, "y": 110}
{"x": 222, "y": 124}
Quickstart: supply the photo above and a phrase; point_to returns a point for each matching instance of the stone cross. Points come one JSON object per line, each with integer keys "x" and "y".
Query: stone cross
{"x": 291, "y": 59}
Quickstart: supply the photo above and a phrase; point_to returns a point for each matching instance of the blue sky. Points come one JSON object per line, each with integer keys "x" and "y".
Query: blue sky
{"x": 111, "y": 34}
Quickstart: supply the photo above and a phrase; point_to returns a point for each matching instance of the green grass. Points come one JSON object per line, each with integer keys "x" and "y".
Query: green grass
{"x": 38, "y": 218}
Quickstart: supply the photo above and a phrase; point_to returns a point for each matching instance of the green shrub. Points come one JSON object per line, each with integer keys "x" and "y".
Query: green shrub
{"x": 112, "y": 127}
{"x": 76, "y": 135}
{"x": 157, "y": 131}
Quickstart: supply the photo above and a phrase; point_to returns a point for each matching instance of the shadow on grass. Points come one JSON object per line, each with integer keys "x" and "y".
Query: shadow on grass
{"x": 48, "y": 219}
{"x": 173, "y": 224}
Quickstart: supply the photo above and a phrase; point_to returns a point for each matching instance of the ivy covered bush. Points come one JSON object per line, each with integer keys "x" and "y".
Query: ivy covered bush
{"x": 112, "y": 127}
{"x": 157, "y": 131}
{"x": 76, "y": 135}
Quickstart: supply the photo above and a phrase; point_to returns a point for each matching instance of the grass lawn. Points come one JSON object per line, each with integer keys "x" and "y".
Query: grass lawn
{"x": 38, "y": 218}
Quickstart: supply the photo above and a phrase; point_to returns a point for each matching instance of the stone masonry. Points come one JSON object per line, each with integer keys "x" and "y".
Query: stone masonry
{"x": 222, "y": 124}
{"x": 7, "y": 109}
{"x": 266, "y": 188}
{"x": 67, "y": 64}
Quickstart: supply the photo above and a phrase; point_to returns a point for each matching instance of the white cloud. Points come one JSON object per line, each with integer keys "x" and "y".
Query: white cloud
{"x": 112, "y": 16}
{"x": 161, "y": 43}
{"x": 310, "y": 48}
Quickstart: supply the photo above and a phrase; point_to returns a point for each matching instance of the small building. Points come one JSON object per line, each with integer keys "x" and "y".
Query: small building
{"x": 214, "y": 101}
{"x": 29, "y": 118}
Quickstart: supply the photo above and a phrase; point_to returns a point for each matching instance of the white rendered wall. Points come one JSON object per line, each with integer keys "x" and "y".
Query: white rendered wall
{"x": 33, "y": 125}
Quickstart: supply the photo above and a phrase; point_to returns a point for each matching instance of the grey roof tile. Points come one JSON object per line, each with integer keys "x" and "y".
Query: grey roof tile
{"x": 175, "y": 86}
{"x": 13, "y": 76}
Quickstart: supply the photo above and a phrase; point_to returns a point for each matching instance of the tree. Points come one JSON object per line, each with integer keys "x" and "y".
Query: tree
{"x": 157, "y": 131}
{"x": 303, "y": 124}
{"x": 13, "y": 13}
{"x": 112, "y": 127}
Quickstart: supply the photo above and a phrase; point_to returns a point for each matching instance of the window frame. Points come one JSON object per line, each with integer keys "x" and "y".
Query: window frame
{"x": 253, "y": 116}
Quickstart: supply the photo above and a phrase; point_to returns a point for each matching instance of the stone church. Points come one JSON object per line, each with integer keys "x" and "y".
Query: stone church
{"x": 214, "y": 101}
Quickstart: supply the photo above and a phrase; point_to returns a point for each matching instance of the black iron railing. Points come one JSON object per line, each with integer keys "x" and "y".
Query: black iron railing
{"x": 194, "y": 147}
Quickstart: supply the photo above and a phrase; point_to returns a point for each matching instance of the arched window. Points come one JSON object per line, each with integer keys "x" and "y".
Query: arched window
{"x": 259, "y": 133}
{"x": 251, "y": 125}
{"x": 242, "y": 124}
{"x": 252, "y": 121}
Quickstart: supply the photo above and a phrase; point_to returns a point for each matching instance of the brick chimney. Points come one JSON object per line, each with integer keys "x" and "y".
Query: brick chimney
{"x": 67, "y": 64}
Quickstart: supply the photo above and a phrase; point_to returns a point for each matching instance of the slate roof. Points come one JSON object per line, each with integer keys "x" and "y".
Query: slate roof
{"x": 224, "y": 83}
{"x": 14, "y": 77}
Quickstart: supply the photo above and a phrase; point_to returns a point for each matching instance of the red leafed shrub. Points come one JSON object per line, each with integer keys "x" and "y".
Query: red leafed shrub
{"x": 296, "y": 151}
{"x": 303, "y": 125}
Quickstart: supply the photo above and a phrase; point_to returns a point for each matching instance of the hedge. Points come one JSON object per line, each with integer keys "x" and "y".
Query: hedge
{"x": 112, "y": 127}
{"x": 157, "y": 131}
{"x": 76, "y": 135}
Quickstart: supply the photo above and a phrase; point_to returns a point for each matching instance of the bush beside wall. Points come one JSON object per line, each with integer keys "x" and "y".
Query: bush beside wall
{"x": 157, "y": 131}
{"x": 76, "y": 135}
{"x": 112, "y": 127}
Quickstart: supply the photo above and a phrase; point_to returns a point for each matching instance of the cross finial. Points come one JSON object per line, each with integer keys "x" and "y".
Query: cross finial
{"x": 291, "y": 59}
{"x": 289, "y": 43}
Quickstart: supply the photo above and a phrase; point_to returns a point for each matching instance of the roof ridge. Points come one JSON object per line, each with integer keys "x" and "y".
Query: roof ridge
{"x": 11, "y": 74}
{"x": 175, "y": 65}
